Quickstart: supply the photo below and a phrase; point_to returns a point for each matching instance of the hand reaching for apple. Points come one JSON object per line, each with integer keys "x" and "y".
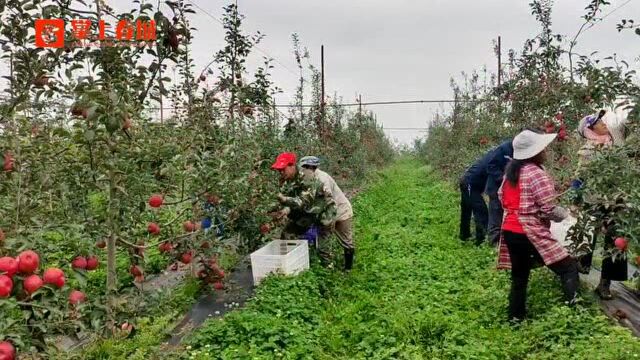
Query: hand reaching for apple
{"x": 573, "y": 210}
{"x": 280, "y": 214}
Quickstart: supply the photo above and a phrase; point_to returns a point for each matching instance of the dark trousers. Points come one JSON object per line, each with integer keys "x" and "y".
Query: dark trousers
{"x": 495, "y": 218}
{"x": 611, "y": 270}
{"x": 472, "y": 204}
{"x": 523, "y": 257}
{"x": 294, "y": 231}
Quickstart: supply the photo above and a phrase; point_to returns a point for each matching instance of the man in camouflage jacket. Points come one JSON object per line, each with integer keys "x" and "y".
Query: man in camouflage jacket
{"x": 303, "y": 201}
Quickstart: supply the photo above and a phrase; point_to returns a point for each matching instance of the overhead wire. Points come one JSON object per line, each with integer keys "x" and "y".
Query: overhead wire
{"x": 257, "y": 48}
{"x": 398, "y": 102}
{"x": 616, "y": 9}
{"x": 421, "y": 129}
{"x": 388, "y": 103}
{"x": 608, "y": 14}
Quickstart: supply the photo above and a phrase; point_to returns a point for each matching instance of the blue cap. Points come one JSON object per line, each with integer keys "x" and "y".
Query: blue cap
{"x": 577, "y": 184}
{"x": 310, "y": 161}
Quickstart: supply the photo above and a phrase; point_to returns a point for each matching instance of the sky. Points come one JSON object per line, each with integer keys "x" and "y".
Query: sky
{"x": 400, "y": 49}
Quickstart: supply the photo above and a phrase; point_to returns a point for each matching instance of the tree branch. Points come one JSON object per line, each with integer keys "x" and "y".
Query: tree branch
{"x": 22, "y": 303}
{"x": 153, "y": 244}
{"x": 572, "y": 44}
{"x": 187, "y": 199}
{"x": 143, "y": 96}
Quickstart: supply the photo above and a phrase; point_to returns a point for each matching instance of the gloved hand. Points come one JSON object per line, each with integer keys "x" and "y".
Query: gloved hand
{"x": 577, "y": 184}
{"x": 280, "y": 214}
{"x": 312, "y": 234}
{"x": 558, "y": 214}
{"x": 282, "y": 199}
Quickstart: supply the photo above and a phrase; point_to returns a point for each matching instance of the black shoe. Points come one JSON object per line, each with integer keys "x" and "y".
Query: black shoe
{"x": 603, "y": 290}
{"x": 479, "y": 242}
{"x": 348, "y": 259}
{"x": 583, "y": 269}
{"x": 604, "y": 293}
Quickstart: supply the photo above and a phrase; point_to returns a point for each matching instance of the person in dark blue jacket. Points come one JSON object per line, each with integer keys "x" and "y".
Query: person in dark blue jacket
{"x": 485, "y": 175}
{"x": 495, "y": 171}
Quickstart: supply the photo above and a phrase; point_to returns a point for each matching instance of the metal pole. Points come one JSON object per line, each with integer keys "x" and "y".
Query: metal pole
{"x": 360, "y": 106}
{"x": 322, "y": 72}
{"x": 322, "y": 109}
{"x": 499, "y": 61}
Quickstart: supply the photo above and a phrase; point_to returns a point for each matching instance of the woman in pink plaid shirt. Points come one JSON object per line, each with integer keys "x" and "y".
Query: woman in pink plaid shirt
{"x": 529, "y": 200}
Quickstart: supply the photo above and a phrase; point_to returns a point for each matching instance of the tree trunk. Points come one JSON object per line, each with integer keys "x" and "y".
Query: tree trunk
{"x": 112, "y": 276}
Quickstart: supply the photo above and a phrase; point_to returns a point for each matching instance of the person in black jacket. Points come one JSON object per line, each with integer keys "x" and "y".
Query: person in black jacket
{"x": 484, "y": 175}
{"x": 472, "y": 185}
{"x": 499, "y": 159}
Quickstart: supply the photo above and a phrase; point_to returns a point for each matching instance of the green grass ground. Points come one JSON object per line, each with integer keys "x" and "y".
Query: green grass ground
{"x": 416, "y": 293}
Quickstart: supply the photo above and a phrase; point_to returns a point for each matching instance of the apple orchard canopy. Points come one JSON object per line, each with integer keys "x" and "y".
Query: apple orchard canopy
{"x": 528, "y": 144}
{"x": 283, "y": 160}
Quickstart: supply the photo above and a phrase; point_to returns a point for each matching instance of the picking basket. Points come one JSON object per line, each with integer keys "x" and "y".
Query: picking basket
{"x": 288, "y": 257}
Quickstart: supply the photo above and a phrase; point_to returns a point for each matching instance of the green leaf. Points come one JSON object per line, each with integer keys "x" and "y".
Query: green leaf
{"x": 112, "y": 124}
{"x": 81, "y": 277}
{"x": 89, "y": 135}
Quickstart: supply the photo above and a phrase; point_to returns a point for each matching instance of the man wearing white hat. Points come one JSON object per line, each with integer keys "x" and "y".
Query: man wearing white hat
{"x": 529, "y": 200}
{"x": 343, "y": 225}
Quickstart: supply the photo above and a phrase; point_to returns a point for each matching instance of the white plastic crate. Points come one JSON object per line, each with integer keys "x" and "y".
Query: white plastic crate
{"x": 288, "y": 257}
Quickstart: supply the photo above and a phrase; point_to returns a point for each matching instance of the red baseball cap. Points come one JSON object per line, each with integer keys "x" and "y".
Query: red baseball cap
{"x": 283, "y": 160}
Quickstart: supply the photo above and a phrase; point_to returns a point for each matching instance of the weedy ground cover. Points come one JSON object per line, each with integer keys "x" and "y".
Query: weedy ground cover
{"x": 415, "y": 293}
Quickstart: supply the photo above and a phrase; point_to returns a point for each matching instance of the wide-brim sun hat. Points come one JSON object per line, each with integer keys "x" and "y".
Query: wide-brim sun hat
{"x": 610, "y": 119}
{"x": 528, "y": 144}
